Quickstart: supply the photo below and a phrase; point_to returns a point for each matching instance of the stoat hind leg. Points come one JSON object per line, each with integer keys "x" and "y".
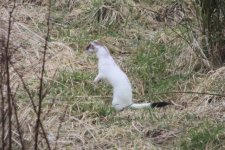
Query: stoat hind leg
{"x": 118, "y": 107}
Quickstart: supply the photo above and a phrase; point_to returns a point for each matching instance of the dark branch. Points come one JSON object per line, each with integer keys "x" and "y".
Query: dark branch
{"x": 190, "y": 92}
{"x": 7, "y": 57}
{"x": 41, "y": 97}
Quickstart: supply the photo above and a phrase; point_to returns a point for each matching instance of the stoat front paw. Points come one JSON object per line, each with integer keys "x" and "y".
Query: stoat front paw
{"x": 96, "y": 80}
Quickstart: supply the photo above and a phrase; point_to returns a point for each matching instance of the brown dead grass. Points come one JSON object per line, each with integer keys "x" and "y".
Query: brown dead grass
{"x": 29, "y": 44}
{"x": 207, "y": 105}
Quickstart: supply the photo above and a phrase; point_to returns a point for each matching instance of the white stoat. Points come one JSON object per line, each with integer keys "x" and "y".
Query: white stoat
{"x": 110, "y": 71}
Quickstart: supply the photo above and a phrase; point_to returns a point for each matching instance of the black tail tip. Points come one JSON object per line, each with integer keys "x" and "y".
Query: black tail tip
{"x": 160, "y": 104}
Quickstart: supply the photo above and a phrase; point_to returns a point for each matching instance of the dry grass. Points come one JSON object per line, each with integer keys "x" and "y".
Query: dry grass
{"x": 208, "y": 105}
{"x": 84, "y": 120}
{"x": 28, "y": 41}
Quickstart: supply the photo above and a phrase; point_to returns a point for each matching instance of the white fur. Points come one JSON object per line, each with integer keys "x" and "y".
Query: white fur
{"x": 110, "y": 71}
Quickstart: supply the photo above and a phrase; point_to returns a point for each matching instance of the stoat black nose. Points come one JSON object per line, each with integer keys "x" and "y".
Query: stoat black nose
{"x": 89, "y": 45}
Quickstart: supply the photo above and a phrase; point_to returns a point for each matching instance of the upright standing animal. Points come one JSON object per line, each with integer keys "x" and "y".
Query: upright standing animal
{"x": 110, "y": 71}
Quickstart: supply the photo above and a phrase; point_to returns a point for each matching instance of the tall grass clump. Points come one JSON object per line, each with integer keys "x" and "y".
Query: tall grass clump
{"x": 110, "y": 12}
{"x": 211, "y": 18}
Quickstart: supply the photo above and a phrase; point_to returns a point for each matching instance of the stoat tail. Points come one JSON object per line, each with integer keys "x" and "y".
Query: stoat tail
{"x": 149, "y": 105}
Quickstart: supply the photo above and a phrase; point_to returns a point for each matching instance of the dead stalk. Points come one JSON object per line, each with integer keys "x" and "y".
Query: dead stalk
{"x": 17, "y": 121}
{"x": 41, "y": 96}
{"x": 25, "y": 87}
{"x": 7, "y": 57}
{"x": 2, "y": 46}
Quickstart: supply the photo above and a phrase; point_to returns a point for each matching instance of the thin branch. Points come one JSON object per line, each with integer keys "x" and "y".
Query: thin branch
{"x": 7, "y": 56}
{"x": 41, "y": 79}
{"x": 2, "y": 47}
{"x": 25, "y": 87}
{"x": 190, "y": 92}
{"x": 180, "y": 35}
{"x": 17, "y": 121}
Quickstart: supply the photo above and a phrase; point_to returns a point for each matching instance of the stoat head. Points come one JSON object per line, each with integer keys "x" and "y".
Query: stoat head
{"x": 98, "y": 48}
{"x": 92, "y": 48}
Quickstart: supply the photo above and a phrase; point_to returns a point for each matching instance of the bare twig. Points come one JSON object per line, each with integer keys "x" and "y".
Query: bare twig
{"x": 41, "y": 97}
{"x": 7, "y": 57}
{"x": 2, "y": 47}
{"x": 180, "y": 35}
{"x": 17, "y": 121}
{"x": 190, "y": 92}
{"x": 25, "y": 87}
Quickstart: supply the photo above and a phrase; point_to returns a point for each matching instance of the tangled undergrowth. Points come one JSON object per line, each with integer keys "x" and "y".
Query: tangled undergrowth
{"x": 152, "y": 43}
